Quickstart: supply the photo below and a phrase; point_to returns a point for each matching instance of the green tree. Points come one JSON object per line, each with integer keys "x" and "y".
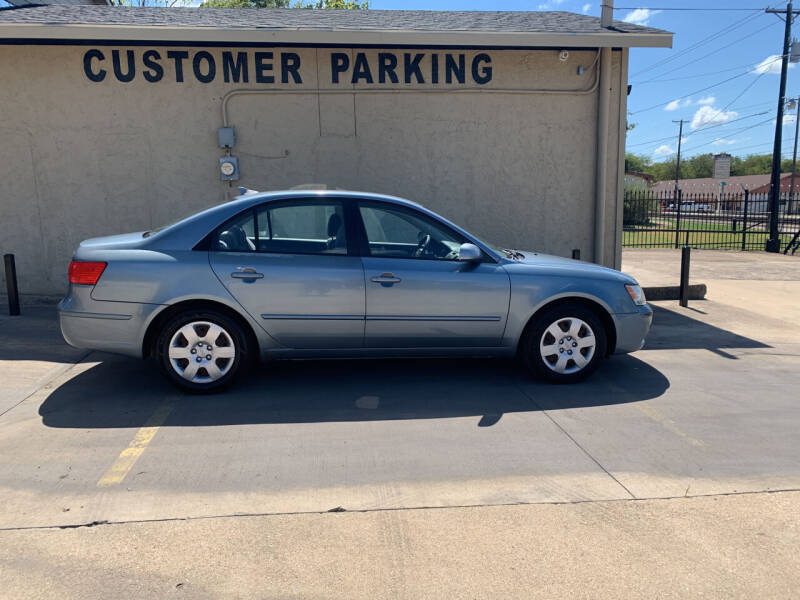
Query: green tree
{"x": 333, "y": 4}
{"x": 156, "y": 3}
{"x": 754, "y": 164}
{"x": 702, "y": 165}
{"x": 638, "y": 163}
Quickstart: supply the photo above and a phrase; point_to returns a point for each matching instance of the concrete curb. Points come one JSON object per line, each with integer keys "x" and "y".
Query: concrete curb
{"x": 697, "y": 291}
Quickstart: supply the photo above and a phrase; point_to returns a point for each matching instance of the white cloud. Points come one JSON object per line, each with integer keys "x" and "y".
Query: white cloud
{"x": 640, "y": 16}
{"x": 550, "y": 4}
{"x": 708, "y": 115}
{"x": 684, "y": 140}
{"x": 708, "y": 100}
{"x": 677, "y": 103}
{"x": 586, "y": 8}
{"x": 723, "y": 142}
{"x": 663, "y": 150}
{"x": 770, "y": 65}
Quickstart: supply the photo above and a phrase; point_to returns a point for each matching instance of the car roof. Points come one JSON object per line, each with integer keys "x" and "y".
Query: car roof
{"x": 320, "y": 194}
{"x": 187, "y": 232}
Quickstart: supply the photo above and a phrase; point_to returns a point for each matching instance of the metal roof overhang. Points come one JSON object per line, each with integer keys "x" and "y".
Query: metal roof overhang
{"x": 44, "y": 33}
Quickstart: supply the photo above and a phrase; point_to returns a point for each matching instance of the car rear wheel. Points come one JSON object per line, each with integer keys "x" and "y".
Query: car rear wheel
{"x": 564, "y": 344}
{"x": 201, "y": 351}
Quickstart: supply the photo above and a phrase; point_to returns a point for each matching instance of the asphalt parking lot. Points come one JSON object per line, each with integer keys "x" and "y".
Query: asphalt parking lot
{"x": 674, "y": 470}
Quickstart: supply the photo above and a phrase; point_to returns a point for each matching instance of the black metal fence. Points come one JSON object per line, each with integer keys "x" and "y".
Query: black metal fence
{"x": 719, "y": 221}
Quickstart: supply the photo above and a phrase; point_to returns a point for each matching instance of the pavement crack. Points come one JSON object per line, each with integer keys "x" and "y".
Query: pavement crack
{"x": 79, "y": 525}
{"x": 58, "y": 372}
{"x": 574, "y": 441}
{"x": 395, "y": 509}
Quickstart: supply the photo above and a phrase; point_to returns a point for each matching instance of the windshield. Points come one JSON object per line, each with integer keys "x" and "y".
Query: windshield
{"x": 508, "y": 252}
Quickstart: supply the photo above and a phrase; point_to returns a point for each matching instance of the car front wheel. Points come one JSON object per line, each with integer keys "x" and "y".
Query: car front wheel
{"x": 201, "y": 351}
{"x": 564, "y": 344}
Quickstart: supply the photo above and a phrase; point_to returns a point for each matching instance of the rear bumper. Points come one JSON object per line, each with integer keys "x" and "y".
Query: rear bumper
{"x": 632, "y": 329}
{"x": 116, "y": 327}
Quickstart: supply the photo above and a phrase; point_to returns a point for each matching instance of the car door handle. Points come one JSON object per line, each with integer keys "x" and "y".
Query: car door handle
{"x": 386, "y": 278}
{"x": 247, "y": 273}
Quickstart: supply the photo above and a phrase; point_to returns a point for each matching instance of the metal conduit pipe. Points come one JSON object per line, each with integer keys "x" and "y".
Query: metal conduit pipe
{"x": 578, "y": 92}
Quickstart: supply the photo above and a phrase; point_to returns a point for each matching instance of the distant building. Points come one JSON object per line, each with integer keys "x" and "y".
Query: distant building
{"x": 722, "y": 165}
{"x": 637, "y": 181}
{"x": 712, "y": 186}
{"x": 786, "y": 185}
{"x": 728, "y": 190}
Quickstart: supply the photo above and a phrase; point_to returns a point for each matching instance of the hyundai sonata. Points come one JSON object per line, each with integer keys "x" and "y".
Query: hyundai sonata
{"x": 331, "y": 273}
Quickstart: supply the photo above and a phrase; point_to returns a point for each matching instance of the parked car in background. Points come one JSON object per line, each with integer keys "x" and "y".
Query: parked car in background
{"x": 689, "y": 206}
{"x": 334, "y": 273}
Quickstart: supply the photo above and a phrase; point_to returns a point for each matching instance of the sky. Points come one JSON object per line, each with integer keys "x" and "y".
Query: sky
{"x": 668, "y": 84}
{"x": 721, "y": 76}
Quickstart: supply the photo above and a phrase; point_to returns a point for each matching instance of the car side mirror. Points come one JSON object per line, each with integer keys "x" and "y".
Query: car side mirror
{"x": 469, "y": 253}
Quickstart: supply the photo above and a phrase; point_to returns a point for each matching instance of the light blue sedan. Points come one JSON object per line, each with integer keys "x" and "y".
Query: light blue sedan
{"x": 331, "y": 273}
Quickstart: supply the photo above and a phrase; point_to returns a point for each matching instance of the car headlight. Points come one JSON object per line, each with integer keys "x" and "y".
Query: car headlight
{"x": 636, "y": 294}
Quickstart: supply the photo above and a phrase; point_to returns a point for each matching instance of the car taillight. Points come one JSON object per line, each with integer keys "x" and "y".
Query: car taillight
{"x": 85, "y": 273}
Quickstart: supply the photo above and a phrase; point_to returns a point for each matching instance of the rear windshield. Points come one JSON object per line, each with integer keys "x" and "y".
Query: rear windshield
{"x": 176, "y": 221}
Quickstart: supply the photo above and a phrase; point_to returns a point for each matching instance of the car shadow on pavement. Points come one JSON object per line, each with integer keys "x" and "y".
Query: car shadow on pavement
{"x": 674, "y": 331}
{"x": 121, "y": 392}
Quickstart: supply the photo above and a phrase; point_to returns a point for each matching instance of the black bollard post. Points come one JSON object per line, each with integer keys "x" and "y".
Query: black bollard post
{"x": 684, "y": 292}
{"x": 11, "y": 285}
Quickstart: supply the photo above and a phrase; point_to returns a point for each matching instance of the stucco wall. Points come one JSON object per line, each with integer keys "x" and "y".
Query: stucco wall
{"x": 82, "y": 158}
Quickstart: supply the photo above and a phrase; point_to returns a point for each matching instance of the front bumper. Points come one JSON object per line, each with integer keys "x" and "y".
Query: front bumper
{"x": 632, "y": 329}
{"x": 117, "y": 327}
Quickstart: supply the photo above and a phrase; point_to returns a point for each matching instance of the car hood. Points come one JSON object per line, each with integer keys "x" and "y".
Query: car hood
{"x": 567, "y": 266}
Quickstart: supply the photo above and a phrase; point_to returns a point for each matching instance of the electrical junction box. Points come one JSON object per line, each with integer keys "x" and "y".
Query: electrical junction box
{"x": 229, "y": 168}
{"x": 227, "y": 137}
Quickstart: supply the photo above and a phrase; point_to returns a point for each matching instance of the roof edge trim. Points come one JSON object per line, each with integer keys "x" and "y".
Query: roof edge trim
{"x": 341, "y": 37}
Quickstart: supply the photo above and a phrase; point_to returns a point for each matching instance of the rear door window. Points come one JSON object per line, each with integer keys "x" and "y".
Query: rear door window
{"x": 297, "y": 227}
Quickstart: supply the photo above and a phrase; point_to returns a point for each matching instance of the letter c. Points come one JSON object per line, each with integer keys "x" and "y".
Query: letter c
{"x": 87, "y": 65}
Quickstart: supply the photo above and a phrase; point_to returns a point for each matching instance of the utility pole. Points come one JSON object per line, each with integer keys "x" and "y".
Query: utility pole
{"x": 678, "y": 167}
{"x": 792, "y": 195}
{"x": 774, "y": 241}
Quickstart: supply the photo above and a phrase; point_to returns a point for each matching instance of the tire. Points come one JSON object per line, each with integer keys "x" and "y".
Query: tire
{"x": 556, "y": 338}
{"x": 206, "y": 361}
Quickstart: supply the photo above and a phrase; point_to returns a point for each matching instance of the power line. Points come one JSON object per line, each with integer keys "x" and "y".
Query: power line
{"x": 736, "y": 68}
{"x": 702, "y": 42}
{"x": 636, "y": 112}
{"x": 697, "y": 132}
{"x": 759, "y": 105}
{"x": 705, "y": 9}
{"x": 747, "y": 87}
{"x": 737, "y": 132}
{"x": 701, "y": 8}
{"x": 721, "y": 48}
{"x": 752, "y": 68}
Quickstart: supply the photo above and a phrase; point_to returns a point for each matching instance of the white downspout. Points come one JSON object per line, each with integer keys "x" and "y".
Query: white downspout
{"x": 602, "y": 156}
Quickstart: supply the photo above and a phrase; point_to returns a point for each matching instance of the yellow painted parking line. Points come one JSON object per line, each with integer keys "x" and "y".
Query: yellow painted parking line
{"x": 656, "y": 415}
{"x": 131, "y": 454}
